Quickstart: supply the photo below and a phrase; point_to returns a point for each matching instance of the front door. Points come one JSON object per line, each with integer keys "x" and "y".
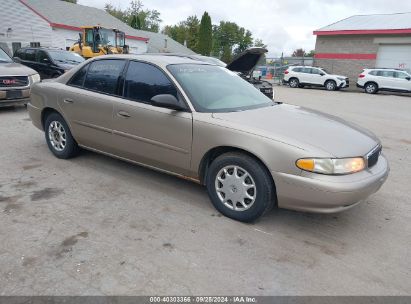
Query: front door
{"x": 147, "y": 134}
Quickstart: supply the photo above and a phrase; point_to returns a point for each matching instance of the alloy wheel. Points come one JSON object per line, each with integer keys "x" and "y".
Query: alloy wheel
{"x": 57, "y": 135}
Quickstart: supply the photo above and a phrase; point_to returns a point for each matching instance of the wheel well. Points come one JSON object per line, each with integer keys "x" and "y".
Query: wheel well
{"x": 293, "y": 78}
{"x": 216, "y": 152}
{"x": 330, "y": 80}
{"x": 46, "y": 112}
{"x": 373, "y": 82}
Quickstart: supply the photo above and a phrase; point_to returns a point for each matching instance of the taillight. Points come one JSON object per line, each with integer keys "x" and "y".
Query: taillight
{"x": 361, "y": 76}
{"x": 286, "y": 72}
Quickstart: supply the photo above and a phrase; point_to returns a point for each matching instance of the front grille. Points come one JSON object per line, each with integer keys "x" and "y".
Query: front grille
{"x": 13, "y": 81}
{"x": 347, "y": 81}
{"x": 372, "y": 157}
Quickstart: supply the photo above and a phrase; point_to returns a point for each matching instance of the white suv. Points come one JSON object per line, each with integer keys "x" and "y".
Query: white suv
{"x": 374, "y": 80}
{"x": 299, "y": 76}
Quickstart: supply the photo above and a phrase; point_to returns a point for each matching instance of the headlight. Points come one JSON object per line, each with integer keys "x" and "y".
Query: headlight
{"x": 35, "y": 78}
{"x": 332, "y": 166}
{"x": 340, "y": 78}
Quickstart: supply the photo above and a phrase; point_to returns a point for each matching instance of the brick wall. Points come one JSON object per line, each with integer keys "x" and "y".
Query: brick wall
{"x": 346, "y": 44}
{"x": 349, "y": 68}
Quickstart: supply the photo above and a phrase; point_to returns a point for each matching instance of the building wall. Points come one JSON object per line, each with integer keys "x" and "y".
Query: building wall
{"x": 349, "y": 68}
{"x": 357, "y": 44}
{"x": 24, "y": 25}
{"x": 362, "y": 47}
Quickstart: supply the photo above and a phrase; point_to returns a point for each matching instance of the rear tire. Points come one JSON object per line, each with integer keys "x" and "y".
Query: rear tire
{"x": 294, "y": 83}
{"x": 371, "y": 88}
{"x": 330, "y": 85}
{"x": 240, "y": 187}
{"x": 58, "y": 137}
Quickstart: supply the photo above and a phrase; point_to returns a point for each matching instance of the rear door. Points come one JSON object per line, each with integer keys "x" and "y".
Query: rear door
{"x": 30, "y": 59}
{"x": 87, "y": 102}
{"x": 147, "y": 134}
{"x": 386, "y": 79}
{"x": 305, "y": 75}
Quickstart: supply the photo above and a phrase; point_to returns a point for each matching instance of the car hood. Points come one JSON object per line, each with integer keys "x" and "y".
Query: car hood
{"x": 304, "y": 128}
{"x": 15, "y": 69}
{"x": 247, "y": 60}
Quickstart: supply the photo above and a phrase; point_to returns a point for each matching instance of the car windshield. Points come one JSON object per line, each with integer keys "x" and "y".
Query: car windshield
{"x": 66, "y": 57}
{"x": 215, "y": 89}
{"x": 4, "y": 57}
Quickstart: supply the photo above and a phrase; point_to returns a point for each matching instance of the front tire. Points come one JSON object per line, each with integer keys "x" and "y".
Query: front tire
{"x": 330, "y": 85}
{"x": 294, "y": 83}
{"x": 240, "y": 187}
{"x": 58, "y": 137}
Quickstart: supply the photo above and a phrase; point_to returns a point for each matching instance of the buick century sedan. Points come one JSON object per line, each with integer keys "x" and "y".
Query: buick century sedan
{"x": 205, "y": 123}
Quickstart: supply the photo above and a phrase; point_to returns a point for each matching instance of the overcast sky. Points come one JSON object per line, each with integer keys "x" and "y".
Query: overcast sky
{"x": 284, "y": 25}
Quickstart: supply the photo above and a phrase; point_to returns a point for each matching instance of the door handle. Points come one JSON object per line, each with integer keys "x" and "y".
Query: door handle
{"x": 123, "y": 114}
{"x": 67, "y": 100}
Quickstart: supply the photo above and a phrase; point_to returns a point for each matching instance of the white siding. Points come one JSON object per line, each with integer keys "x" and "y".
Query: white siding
{"x": 25, "y": 25}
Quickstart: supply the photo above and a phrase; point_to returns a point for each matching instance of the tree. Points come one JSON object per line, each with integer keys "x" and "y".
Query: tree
{"x": 205, "y": 35}
{"x": 299, "y": 53}
{"x": 259, "y": 43}
{"x": 310, "y": 53}
{"x": 136, "y": 16}
{"x": 186, "y": 32}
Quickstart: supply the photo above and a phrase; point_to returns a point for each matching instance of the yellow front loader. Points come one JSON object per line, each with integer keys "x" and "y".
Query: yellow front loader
{"x": 96, "y": 41}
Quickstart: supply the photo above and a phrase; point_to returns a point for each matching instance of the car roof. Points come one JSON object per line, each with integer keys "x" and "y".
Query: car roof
{"x": 43, "y": 48}
{"x": 159, "y": 59}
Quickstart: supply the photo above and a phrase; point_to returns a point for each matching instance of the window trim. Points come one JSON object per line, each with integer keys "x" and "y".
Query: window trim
{"x": 68, "y": 83}
{"x": 179, "y": 94}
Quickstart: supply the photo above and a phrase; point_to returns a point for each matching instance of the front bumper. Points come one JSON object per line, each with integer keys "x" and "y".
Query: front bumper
{"x": 329, "y": 194}
{"x": 23, "y": 98}
{"x": 344, "y": 84}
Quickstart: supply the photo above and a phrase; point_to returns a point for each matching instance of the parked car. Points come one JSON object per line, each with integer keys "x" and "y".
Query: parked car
{"x": 48, "y": 62}
{"x": 244, "y": 65}
{"x": 15, "y": 81}
{"x": 374, "y": 80}
{"x": 300, "y": 76}
{"x": 204, "y": 123}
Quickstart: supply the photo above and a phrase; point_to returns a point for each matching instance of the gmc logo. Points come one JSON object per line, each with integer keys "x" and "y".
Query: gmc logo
{"x": 9, "y": 81}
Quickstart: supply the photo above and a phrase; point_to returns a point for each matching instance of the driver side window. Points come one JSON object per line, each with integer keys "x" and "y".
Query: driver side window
{"x": 144, "y": 81}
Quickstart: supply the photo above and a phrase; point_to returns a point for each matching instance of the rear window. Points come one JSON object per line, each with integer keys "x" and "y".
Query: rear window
{"x": 297, "y": 70}
{"x": 385, "y": 73}
{"x": 103, "y": 75}
{"x": 373, "y": 73}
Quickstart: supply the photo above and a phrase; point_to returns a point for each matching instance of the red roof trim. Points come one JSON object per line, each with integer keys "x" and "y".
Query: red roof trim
{"x": 65, "y": 26}
{"x": 345, "y": 56}
{"x": 362, "y": 32}
{"x": 137, "y": 38}
{"x": 70, "y": 27}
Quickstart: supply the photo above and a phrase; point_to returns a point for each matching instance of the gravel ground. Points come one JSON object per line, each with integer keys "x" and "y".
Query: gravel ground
{"x": 98, "y": 226}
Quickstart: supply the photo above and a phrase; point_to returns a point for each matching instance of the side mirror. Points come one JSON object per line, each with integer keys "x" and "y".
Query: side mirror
{"x": 167, "y": 101}
{"x": 322, "y": 74}
{"x": 408, "y": 78}
{"x": 46, "y": 60}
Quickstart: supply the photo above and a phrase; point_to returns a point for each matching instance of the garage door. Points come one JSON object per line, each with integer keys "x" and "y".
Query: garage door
{"x": 394, "y": 56}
